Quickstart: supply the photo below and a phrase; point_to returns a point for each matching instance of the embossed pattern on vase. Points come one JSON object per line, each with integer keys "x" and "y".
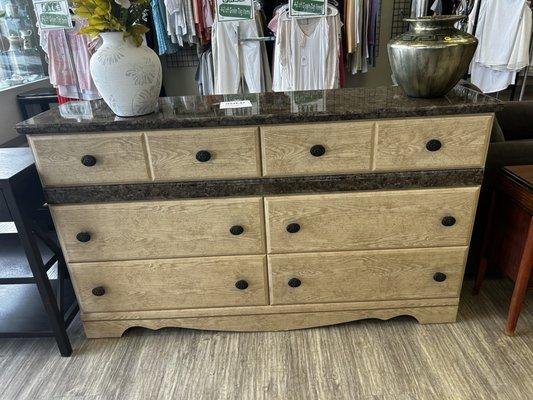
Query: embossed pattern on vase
{"x": 431, "y": 58}
{"x": 128, "y": 77}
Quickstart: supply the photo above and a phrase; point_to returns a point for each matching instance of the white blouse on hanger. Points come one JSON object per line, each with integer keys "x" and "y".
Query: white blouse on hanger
{"x": 307, "y": 52}
{"x": 504, "y": 34}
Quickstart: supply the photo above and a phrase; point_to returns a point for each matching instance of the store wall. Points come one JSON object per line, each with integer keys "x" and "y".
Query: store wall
{"x": 180, "y": 81}
{"x": 9, "y": 112}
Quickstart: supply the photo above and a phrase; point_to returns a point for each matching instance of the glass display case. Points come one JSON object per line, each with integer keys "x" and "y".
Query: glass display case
{"x": 21, "y": 60}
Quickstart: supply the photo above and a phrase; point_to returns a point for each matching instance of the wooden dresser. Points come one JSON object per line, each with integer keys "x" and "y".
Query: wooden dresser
{"x": 269, "y": 224}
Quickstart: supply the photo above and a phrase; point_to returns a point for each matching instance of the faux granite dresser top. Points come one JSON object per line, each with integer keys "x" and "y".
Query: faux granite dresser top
{"x": 267, "y": 108}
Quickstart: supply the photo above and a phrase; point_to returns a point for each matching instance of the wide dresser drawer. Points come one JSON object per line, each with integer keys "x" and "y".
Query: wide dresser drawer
{"x": 160, "y": 229}
{"x": 339, "y": 147}
{"x": 432, "y": 143}
{"x": 221, "y": 153}
{"x": 370, "y": 220}
{"x": 90, "y": 159}
{"x": 366, "y": 275}
{"x": 171, "y": 284}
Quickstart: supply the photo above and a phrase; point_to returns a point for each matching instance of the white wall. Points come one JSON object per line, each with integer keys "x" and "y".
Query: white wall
{"x": 9, "y": 112}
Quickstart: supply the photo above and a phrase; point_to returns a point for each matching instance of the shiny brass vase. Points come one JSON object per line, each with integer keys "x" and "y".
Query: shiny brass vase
{"x": 432, "y": 57}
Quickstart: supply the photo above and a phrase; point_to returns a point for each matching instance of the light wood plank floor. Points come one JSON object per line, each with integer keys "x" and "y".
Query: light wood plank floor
{"x": 397, "y": 359}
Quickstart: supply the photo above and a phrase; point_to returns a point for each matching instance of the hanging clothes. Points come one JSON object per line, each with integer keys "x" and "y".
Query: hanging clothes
{"x": 181, "y": 21}
{"x": 68, "y": 67}
{"x": 306, "y": 53}
{"x": 204, "y": 74}
{"x": 239, "y": 65}
{"x": 504, "y": 34}
{"x": 159, "y": 13}
{"x": 419, "y": 8}
{"x": 360, "y": 27}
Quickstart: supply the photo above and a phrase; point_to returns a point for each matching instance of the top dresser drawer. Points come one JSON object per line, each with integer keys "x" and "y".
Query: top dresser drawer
{"x": 338, "y": 147}
{"x": 87, "y": 159}
{"x": 432, "y": 143}
{"x": 207, "y": 153}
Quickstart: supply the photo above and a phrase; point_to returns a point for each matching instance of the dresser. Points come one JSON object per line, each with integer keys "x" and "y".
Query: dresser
{"x": 300, "y": 211}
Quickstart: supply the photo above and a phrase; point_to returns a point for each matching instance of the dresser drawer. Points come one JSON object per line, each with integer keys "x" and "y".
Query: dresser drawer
{"x": 366, "y": 275}
{"x": 160, "y": 229}
{"x": 87, "y": 159}
{"x": 171, "y": 284}
{"x": 371, "y": 220}
{"x": 205, "y": 154}
{"x": 340, "y": 147}
{"x": 432, "y": 143}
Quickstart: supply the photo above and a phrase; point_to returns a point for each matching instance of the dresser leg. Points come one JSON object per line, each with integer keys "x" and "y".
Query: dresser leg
{"x": 522, "y": 280}
{"x": 482, "y": 269}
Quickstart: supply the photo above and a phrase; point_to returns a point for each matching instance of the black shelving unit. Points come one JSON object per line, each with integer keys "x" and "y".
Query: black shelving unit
{"x": 36, "y": 295}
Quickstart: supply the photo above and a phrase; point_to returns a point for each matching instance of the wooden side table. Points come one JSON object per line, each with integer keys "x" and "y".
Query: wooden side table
{"x": 21, "y": 197}
{"x": 508, "y": 240}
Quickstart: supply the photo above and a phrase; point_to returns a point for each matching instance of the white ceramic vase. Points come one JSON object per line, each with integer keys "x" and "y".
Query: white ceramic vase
{"x": 128, "y": 77}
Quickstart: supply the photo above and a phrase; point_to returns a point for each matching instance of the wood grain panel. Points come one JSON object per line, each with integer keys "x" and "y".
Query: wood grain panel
{"x": 286, "y": 148}
{"x": 370, "y": 220}
{"x": 401, "y": 144}
{"x": 278, "y": 309}
{"x": 234, "y": 153}
{"x": 171, "y": 284}
{"x": 270, "y": 322}
{"x": 366, "y": 275}
{"x": 120, "y": 158}
{"x": 160, "y": 229}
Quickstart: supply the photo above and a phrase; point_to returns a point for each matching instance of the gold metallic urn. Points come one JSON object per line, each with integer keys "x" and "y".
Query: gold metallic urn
{"x": 432, "y": 57}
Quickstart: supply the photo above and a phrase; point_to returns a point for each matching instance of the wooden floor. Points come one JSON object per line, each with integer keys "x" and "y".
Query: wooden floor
{"x": 378, "y": 360}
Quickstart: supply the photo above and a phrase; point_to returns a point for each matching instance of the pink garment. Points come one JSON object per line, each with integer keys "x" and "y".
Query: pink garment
{"x": 64, "y": 75}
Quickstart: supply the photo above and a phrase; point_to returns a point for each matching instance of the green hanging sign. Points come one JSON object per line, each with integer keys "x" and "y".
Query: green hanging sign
{"x": 235, "y": 10}
{"x": 53, "y": 14}
{"x": 307, "y": 8}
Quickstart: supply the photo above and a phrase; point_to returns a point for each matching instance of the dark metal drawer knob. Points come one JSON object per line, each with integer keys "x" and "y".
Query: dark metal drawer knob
{"x": 203, "y": 156}
{"x": 317, "y": 150}
{"x": 236, "y": 230}
{"x": 433, "y": 145}
{"x": 98, "y": 291}
{"x": 241, "y": 285}
{"x": 293, "y": 228}
{"x": 83, "y": 237}
{"x": 88, "y": 160}
{"x": 439, "y": 277}
{"x": 448, "y": 220}
{"x": 294, "y": 282}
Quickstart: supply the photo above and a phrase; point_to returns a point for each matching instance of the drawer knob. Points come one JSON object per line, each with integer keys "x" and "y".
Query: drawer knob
{"x": 241, "y": 285}
{"x": 88, "y": 160}
{"x": 203, "y": 156}
{"x": 83, "y": 237}
{"x": 448, "y": 220}
{"x": 433, "y": 145}
{"x": 439, "y": 277}
{"x": 98, "y": 291}
{"x": 317, "y": 150}
{"x": 294, "y": 282}
{"x": 236, "y": 230}
{"x": 293, "y": 228}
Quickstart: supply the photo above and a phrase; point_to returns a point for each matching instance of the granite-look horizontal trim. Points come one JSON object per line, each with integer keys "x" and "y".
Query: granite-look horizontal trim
{"x": 265, "y": 186}
{"x": 267, "y": 108}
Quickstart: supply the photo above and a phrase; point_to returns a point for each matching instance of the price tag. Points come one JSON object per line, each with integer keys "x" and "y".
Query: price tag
{"x": 234, "y": 10}
{"x": 53, "y": 14}
{"x": 307, "y": 8}
{"x": 235, "y": 104}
